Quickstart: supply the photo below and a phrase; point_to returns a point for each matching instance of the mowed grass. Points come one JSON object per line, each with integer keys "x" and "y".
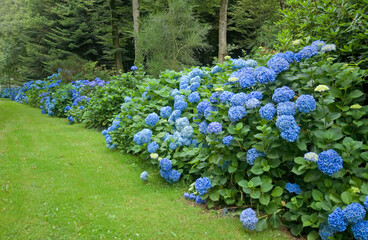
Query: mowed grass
{"x": 59, "y": 181}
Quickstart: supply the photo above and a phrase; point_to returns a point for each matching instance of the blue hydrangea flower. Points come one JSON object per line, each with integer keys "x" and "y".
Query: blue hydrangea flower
{"x": 286, "y": 108}
{"x": 143, "y": 137}
{"x": 238, "y": 63}
{"x": 247, "y": 80}
{"x": 289, "y": 56}
{"x": 201, "y": 107}
{"x": 285, "y": 122}
{"x": 173, "y": 146}
{"x": 251, "y": 63}
{"x": 214, "y": 127}
{"x": 252, "y": 155}
{"x": 133, "y": 68}
{"x": 165, "y": 164}
{"x": 187, "y": 132}
{"x": 308, "y": 52}
{"x": 326, "y": 231}
{"x": 203, "y": 127}
{"x": 165, "y": 111}
{"x": 293, "y": 188}
{"x": 179, "y": 97}
{"x": 255, "y": 94}
{"x": 249, "y": 219}
{"x": 181, "y": 123}
{"x": 360, "y": 230}
{"x": 173, "y": 176}
{"x": 186, "y": 195}
{"x": 298, "y": 57}
{"x": 236, "y": 113}
{"x": 194, "y": 97}
{"x": 267, "y": 111}
{"x": 278, "y": 64}
{"x": 152, "y": 119}
{"x": 202, "y": 185}
{"x": 194, "y": 87}
{"x": 306, "y": 103}
{"x": 152, "y": 147}
{"x": 192, "y": 196}
{"x": 214, "y": 97}
{"x": 144, "y": 176}
{"x": 318, "y": 44}
{"x": 183, "y": 86}
{"x": 196, "y": 72}
{"x": 282, "y": 94}
{"x": 366, "y": 203}
{"x": 174, "y": 116}
{"x": 195, "y": 79}
{"x": 291, "y": 135}
{"x": 216, "y": 69}
{"x": 209, "y": 111}
{"x": 199, "y": 200}
{"x": 227, "y": 140}
{"x": 329, "y": 162}
{"x": 336, "y": 220}
{"x": 354, "y": 213}
{"x": 264, "y": 75}
{"x": 252, "y": 103}
{"x": 127, "y": 99}
{"x": 174, "y": 92}
{"x": 165, "y": 174}
{"x": 239, "y": 99}
{"x": 226, "y": 96}
{"x": 180, "y": 105}
{"x": 311, "y": 156}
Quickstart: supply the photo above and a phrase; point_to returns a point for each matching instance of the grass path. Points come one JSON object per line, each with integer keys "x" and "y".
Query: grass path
{"x": 58, "y": 181}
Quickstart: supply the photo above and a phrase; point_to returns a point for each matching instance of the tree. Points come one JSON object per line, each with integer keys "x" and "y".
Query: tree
{"x": 138, "y": 55}
{"x": 222, "y": 30}
{"x": 170, "y": 38}
{"x": 115, "y": 35}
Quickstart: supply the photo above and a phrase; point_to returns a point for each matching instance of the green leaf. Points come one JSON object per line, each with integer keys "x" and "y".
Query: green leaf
{"x": 275, "y": 221}
{"x": 232, "y": 169}
{"x": 214, "y": 196}
{"x": 317, "y": 195}
{"x": 312, "y": 176}
{"x": 346, "y": 197}
{"x": 243, "y": 183}
{"x": 355, "y": 94}
{"x": 266, "y": 186}
{"x": 277, "y": 192}
{"x": 262, "y": 225}
{"x": 265, "y": 199}
{"x": 313, "y": 235}
{"x": 255, "y": 194}
{"x": 256, "y": 181}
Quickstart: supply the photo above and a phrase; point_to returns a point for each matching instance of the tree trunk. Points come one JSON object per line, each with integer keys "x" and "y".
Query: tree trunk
{"x": 115, "y": 36}
{"x": 137, "y": 50}
{"x": 222, "y": 31}
{"x": 282, "y": 4}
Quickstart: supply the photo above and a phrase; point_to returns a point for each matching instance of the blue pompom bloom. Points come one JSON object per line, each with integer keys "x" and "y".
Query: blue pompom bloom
{"x": 366, "y": 203}
{"x": 298, "y": 57}
{"x": 214, "y": 127}
{"x": 202, "y": 185}
{"x": 173, "y": 176}
{"x": 226, "y": 96}
{"x": 202, "y": 106}
{"x": 199, "y": 200}
{"x": 186, "y": 195}
{"x": 174, "y": 116}
{"x": 133, "y": 68}
{"x": 318, "y": 44}
{"x": 181, "y": 123}
{"x": 195, "y": 79}
{"x": 249, "y": 219}
{"x": 289, "y": 56}
{"x": 236, "y": 113}
{"x": 143, "y": 137}
{"x": 165, "y": 164}
{"x": 239, "y": 99}
{"x": 278, "y": 64}
{"x": 152, "y": 147}
{"x": 285, "y": 122}
{"x": 306, "y": 103}
{"x": 282, "y": 94}
{"x": 336, "y": 220}
{"x": 216, "y": 69}
{"x": 252, "y": 103}
{"x": 326, "y": 231}
{"x": 267, "y": 111}
{"x": 194, "y": 97}
{"x": 144, "y": 176}
{"x": 293, "y": 188}
{"x": 196, "y": 72}
{"x": 180, "y": 105}
{"x": 152, "y": 119}
{"x": 209, "y": 111}
{"x": 291, "y": 135}
{"x": 329, "y": 162}
{"x": 247, "y": 80}
{"x": 165, "y": 112}
{"x": 203, "y": 127}
{"x": 255, "y": 94}
{"x": 194, "y": 86}
{"x": 264, "y": 75}
{"x": 214, "y": 97}
{"x": 308, "y": 52}
{"x": 192, "y": 196}
{"x": 354, "y": 213}
{"x": 286, "y": 108}
{"x": 238, "y": 63}
{"x": 360, "y": 230}
{"x": 227, "y": 140}
{"x": 252, "y": 155}
{"x": 127, "y": 99}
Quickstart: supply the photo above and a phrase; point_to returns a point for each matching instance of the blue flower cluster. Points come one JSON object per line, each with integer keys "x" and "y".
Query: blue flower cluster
{"x": 210, "y": 111}
{"x": 193, "y": 197}
{"x": 143, "y": 137}
{"x": 264, "y": 75}
{"x": 293, "y": 188}
{"x": 202, "y": 185}
{"x": 366, "y": 203}
{"x": 236, "y": 113}
{"x": 144, "y": 176}
{"x": 194, "y": 97}
{"x": 354, "y": 213}
{"x": 167, "y": 172}
{"x": 305, "y": 103}
{"x": 268, "y": 111}
{"x": 115, "y": 125}
{"x": 286, "y": 108}
{"x": 202, "y": 106}
{"x": 329, "y": 162}
{"x": 215, "y": 97}
{"x": 249, "y": 219}
{"x": 10, "y": 93}
{"x": 226, "y": 96}
{"x": 288, "y": 127}
{"x": 360, "y": 230}
{"x": 278, "y": 64}
{"x": 214, "y": 127}
{"x": 152, "y": 147}
{"x": 216, "y": 69}
{"x": 152, "y": 119}
{"x": 165, "y": 112}
{"x": 282, "y": 94}
{"x": 336, "y": 220}
{"x": 326, "y": 231}
{"x": 227, "y": 140}
{"x": 252, "y": 155}
{"x": 252, "y": 103}
{"x": 238, "y": 99}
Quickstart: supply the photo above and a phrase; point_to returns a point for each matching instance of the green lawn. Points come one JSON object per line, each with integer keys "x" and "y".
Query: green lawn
{"x": 59, "y": 181}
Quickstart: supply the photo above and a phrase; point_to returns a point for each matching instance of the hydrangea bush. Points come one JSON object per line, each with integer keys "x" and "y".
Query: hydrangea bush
{"x": 284, "y": 135}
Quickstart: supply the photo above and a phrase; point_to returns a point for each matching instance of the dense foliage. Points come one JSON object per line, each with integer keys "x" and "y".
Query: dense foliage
{"x": 283, "y": 135}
